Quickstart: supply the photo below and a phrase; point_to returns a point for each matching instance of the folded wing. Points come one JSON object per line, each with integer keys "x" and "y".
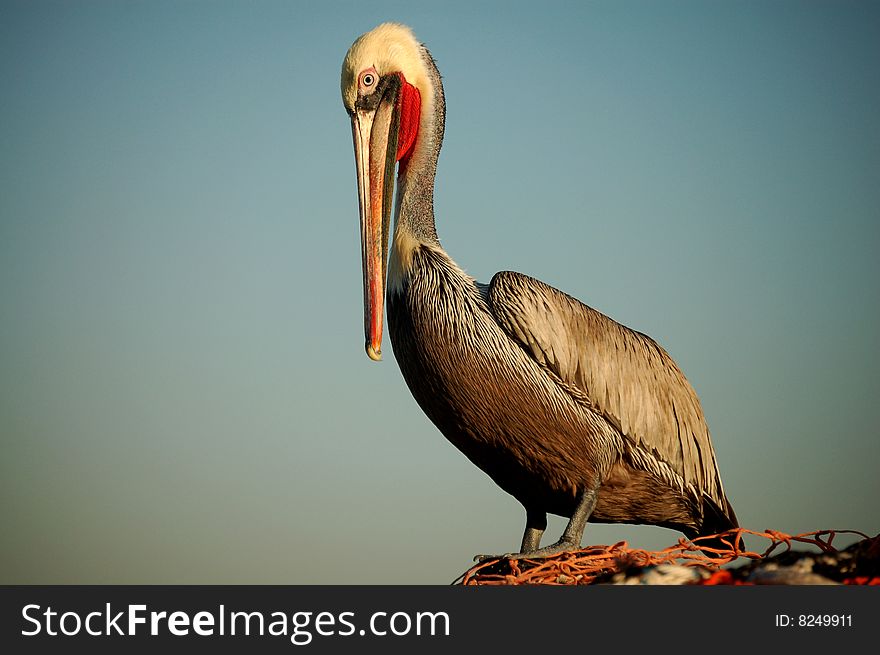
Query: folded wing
{"x": 621, "y": 374}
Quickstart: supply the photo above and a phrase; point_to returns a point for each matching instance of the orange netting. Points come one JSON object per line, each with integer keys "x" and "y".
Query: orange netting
{"x": 599, "y": 563}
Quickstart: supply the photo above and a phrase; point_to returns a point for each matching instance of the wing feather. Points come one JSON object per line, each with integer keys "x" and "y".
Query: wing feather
{"x": 626, "y": 376}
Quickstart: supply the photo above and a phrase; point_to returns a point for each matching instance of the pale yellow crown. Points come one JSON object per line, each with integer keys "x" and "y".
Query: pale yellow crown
{"x": 389, "y": 48}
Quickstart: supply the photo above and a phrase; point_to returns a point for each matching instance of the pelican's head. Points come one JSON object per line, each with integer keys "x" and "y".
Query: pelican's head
{"x": 385, "y": 88}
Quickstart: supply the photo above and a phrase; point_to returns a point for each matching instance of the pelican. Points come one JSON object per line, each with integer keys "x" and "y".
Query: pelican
{"x": 565, "y": 409}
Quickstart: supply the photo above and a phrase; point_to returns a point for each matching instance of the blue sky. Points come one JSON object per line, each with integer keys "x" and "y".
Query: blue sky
{"x": 184, "y": 396}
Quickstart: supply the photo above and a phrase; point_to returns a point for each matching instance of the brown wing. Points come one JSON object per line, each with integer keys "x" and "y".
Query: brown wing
{"x": 625, "y": 375}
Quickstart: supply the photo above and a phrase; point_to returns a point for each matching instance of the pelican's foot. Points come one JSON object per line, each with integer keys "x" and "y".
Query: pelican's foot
{"x": 561, "y": 546}
{"x": 483, "y": 558}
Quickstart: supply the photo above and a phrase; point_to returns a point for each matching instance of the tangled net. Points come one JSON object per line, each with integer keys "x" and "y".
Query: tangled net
{"x": 597, "y": 564}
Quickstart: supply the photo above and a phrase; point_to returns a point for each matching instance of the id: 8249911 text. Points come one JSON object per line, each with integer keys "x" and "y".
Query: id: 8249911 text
{"x": 814, "y": 621}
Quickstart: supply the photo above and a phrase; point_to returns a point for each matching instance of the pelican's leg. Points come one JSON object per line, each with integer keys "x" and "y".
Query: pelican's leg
{"x": 574, "y": 531}
{"x": 536, "y": 523}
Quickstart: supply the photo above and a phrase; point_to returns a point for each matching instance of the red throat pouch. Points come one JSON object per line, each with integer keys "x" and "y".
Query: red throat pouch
{"x": 409, "y": 105}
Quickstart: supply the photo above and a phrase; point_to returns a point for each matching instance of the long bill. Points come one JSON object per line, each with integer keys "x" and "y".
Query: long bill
{"x": 375, "y": 130}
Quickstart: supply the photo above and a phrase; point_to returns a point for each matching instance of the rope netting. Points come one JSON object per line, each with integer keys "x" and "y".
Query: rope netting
{"x": 600, "y": 563}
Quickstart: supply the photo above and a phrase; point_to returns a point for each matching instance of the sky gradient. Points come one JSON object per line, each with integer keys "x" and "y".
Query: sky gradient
{"x": 184, "y": 396}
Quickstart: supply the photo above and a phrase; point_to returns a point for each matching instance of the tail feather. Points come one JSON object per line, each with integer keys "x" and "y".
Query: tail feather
{"x": 717, "y": 520}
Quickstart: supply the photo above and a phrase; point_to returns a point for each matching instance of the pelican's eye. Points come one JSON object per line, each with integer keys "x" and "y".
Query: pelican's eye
{"x": 368, "y": 80}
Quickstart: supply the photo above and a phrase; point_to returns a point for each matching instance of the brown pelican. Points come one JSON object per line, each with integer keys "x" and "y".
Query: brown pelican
{"x": 565, "y": 409}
